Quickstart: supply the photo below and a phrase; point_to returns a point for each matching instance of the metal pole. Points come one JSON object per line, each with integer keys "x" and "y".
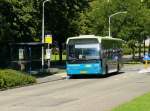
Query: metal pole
{"x": 43, "y": 34}
{"x": 30, "y": 67}
{"x": 43, "y": 37}
{"x": 110, "y": 19}
{"x": 49, "y": 58}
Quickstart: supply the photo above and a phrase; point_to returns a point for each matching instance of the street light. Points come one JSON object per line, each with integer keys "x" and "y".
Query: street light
{"x": 43, "y": 33}
{"x": 110, "y": 19}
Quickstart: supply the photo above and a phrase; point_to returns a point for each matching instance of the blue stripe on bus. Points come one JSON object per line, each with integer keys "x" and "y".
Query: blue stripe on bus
{"x": 94, "y": 68}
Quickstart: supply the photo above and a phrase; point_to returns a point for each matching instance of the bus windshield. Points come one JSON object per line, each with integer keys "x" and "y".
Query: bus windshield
{"x": 83, "y": 52}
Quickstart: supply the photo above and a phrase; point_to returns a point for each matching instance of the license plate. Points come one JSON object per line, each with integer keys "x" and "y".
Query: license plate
{"x": 83, "y": 72}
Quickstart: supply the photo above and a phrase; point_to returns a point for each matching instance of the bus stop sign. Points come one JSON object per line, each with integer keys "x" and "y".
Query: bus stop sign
{"x": 48, "y": 39}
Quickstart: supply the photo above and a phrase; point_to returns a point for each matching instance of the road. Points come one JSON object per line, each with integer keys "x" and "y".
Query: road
{"x": 81, "y": 94}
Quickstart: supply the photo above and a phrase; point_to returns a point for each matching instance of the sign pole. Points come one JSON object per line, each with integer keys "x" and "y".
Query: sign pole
{"x": 48, "y": 40}
{"x": 49, "y": 58}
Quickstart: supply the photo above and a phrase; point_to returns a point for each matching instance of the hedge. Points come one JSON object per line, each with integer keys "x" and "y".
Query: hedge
{"x": 11, "y": 78}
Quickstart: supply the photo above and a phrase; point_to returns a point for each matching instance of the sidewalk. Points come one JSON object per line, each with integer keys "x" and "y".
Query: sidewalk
{"x": 145, "y": 70}
{"x": 50, "y": 78}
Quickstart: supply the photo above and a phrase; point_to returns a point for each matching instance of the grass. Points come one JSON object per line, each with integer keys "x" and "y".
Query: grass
{"x": 141, "y": 103}
{"x": 133, "y": 62}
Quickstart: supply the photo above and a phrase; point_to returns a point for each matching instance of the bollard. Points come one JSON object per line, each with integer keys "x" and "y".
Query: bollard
{"x": 68, "y": 77}
{"x": 146, "y": 64}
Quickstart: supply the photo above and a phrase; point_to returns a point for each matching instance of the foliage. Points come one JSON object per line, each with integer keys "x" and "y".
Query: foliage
{"x": 133, "y": 26}
{"x": 126, "y": 26}
{"x": 21, "y": 20}
{"x": 11, "y": 78}
{"x": 139, "y": 104}
{"x": 61, "y": 19}
{"x": 55, "y": 57}
{"x": 17, "y": 20}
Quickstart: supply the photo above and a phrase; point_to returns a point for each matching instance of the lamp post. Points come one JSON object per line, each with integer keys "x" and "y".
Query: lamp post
{"x": 43, "y": 33}
{"x": 110, "y": 19}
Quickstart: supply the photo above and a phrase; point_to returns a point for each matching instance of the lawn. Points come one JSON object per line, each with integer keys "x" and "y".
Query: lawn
{"x": 56, "y": 57}
{"x": 141, "y": 103}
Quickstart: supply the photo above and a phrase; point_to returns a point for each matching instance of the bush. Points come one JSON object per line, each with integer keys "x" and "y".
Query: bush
{"x": 11, "y": 78}
{"x": 127, "y": 51}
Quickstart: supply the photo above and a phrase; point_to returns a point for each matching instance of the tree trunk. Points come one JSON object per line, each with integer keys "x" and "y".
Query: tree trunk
{"x": 133, "y": 53}
{"x": 144, "y": 46}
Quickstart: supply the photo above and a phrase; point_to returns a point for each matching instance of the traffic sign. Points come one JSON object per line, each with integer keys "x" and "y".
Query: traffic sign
{"x": 48, "y": 39}
{"x": 48, "y": 53}
{"x": 21, "y": 55}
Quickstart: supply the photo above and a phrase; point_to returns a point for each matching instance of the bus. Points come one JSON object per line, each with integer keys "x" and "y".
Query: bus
{"x": 90, "y": 54}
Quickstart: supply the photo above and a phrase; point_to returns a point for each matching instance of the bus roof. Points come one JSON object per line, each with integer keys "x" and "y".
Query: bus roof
{"x": 99, "y": 38}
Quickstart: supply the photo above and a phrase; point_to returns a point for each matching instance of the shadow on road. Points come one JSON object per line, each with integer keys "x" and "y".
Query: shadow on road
{"x": 95, "y": 76}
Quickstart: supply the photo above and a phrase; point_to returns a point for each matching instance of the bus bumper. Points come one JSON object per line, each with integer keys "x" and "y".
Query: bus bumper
{"x": 77, "y": 69}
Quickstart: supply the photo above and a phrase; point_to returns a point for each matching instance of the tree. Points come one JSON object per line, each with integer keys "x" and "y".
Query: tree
{"x": 132, "y": 26}
{"x": 18, "y": 20}
{"x": 18, "y": 24}
{"x": 21, "y": 20}
{"x": 61, "y": 18}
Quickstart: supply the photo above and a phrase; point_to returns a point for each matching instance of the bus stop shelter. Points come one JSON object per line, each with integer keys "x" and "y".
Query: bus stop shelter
{"x": 26, "y": 56}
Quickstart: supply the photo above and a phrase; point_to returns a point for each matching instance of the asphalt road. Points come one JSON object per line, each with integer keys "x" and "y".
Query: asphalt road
{"x": 81, "y": 94}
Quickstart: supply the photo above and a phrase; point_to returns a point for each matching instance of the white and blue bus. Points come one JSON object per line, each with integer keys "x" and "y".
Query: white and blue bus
{"x": 89, "y": 54}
